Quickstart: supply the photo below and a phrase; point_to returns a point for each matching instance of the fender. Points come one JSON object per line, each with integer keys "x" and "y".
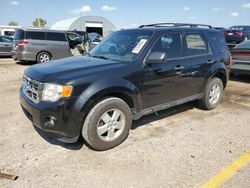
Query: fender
{"x": 104, "y": 87}
{"x": 218, "y": 67}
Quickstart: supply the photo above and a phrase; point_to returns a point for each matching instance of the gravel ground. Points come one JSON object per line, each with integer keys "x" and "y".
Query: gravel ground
{"x": 182, "y": 147}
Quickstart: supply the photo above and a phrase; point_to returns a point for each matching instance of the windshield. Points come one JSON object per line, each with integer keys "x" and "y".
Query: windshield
{"x": 122, "y": 45}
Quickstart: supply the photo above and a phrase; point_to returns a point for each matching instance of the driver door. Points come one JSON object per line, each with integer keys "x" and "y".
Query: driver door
{"x": 164, "y": 82}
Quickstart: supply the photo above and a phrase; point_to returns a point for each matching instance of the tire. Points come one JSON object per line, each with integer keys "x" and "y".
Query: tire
{"x": 43, "y": 57}
{"x": 107, "y": 124}
{"x": 212, "y": 94}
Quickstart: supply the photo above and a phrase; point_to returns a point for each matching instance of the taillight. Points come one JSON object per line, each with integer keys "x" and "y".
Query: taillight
{"x": 23, "y": 43}
{"x": 240, "y": 33}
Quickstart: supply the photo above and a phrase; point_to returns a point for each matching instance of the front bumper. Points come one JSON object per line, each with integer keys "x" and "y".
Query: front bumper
{"x": 66, "y": 125}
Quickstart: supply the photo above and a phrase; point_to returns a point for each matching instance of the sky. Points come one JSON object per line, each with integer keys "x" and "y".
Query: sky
{"x": 128, "y": 13}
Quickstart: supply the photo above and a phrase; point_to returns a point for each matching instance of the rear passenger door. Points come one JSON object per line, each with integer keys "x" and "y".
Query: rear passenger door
{"x": 57, "y": 45}
{"x": 199, "y": 60}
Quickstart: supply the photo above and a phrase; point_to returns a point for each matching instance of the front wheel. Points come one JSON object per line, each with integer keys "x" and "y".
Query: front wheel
{"x": 108, "y": 123}
{"x": 212, "y": 94}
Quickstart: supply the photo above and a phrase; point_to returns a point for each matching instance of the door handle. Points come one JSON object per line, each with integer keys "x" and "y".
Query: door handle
{"x": 179, "y": 67}
{"x": 210, "y": 61}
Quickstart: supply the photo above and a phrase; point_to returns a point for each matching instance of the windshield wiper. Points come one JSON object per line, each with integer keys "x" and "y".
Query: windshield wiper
{"x": 100, "y": 57}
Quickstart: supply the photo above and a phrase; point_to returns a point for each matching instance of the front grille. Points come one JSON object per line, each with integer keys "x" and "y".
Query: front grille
{"x": 31, "y": 89}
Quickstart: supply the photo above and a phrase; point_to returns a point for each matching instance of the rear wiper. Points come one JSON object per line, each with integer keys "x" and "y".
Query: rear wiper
{"x": 100, "y": 57}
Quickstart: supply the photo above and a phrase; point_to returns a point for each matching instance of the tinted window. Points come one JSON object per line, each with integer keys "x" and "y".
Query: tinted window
{"x": 170, "y": 44}
{"x": 19, "y": 35}
{"x": 218, "y": 43}
{"x": 245, "y": 44}
{"x": 196, "y": 44}
{"x": 35, "y": 35}
{"x": 9, "y": 33}
{"x": 56, "y": 36}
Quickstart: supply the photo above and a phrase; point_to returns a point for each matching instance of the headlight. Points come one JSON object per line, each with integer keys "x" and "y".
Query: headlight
{"x": 53, "y": 92}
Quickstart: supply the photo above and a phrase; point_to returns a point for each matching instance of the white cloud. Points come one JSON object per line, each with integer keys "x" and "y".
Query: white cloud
{"x": 134, "y": 25}
{"x": 108, "y": 8}
{"x": 84, "y": 9}
{"x": 235, "y": 14}
{"x": 14, "y": 3}
{"x": 192, "y": 18}
{"x": 217, "y": 9}
{"x": 247, "y": 5}
{"x": 186, "y": 8}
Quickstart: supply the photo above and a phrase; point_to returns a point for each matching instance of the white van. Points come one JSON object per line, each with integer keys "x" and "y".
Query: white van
{"x": 8, "y": 30}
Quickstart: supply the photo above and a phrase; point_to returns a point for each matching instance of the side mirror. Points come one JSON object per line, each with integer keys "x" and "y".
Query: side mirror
{"x": 156, "y": 57}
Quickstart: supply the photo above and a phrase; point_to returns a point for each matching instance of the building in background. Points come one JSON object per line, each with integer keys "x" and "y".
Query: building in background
{"x": 89, "y": 24}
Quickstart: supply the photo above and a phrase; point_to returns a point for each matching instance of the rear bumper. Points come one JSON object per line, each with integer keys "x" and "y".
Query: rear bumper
{"x": 54, "y": 118}
{"x": 23, "y": 56}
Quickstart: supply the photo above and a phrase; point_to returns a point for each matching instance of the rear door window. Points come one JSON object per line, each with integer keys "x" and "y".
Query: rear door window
{"x": 56, "y": 36}
{"x": 35, "y": 35}
{"x": 196, "y": 44}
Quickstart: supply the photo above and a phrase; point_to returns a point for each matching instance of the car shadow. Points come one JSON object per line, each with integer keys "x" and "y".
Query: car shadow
{"x": 163, "y": 114}
{"x": 54, "y": 141}
{"x": 136, "y": 124}
{"x": 241, "y": 78}
{"x": 25, "y": 63}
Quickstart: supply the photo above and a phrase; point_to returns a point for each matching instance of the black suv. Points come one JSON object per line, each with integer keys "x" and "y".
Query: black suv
{"x": 131, "y": 73}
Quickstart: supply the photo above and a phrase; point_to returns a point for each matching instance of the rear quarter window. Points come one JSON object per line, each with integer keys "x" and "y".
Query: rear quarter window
{"x": 35, "y": 35}
{"x": 217, "y": 43}
{"x": 56, "y": 36}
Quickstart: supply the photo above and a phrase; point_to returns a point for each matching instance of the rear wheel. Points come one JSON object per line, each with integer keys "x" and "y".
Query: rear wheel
{"x": 108, "y": 123}
{"x": 212, "y": 95}
{"x": 43, "y": 57}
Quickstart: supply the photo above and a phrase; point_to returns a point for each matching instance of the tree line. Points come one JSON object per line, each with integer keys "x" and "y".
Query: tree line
{"x": 38, "y": 22}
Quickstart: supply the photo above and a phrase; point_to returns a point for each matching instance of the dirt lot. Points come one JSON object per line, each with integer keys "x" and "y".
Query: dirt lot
{"x": 182, "y": 147}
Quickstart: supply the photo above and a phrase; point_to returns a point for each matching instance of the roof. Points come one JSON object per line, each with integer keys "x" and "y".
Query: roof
{"x": 64, "y": 24}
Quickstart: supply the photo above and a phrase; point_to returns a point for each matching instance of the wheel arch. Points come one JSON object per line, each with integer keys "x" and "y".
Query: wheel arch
{"x": 103, "y": 89}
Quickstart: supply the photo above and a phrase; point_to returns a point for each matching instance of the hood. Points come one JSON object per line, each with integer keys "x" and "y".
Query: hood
{"x": 59, "y": 70}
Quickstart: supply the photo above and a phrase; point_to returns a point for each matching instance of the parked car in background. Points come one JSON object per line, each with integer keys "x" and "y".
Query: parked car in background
{"x": 8, "y": 30}
{"x": 237, "y": 34}
{"x": 6, "y": 44}
{"x": 94, "y": 40}
{"x": 44, "y": 45}
{"x": 241, "y": 58}
{"x": 132, "y": 73}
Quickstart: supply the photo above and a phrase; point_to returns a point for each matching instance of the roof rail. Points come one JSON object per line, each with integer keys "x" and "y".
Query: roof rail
{"x": 176, "y": 25}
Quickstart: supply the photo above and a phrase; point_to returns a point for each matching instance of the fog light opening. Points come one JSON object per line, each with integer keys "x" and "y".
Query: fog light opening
{"x": 49, "y": 122}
